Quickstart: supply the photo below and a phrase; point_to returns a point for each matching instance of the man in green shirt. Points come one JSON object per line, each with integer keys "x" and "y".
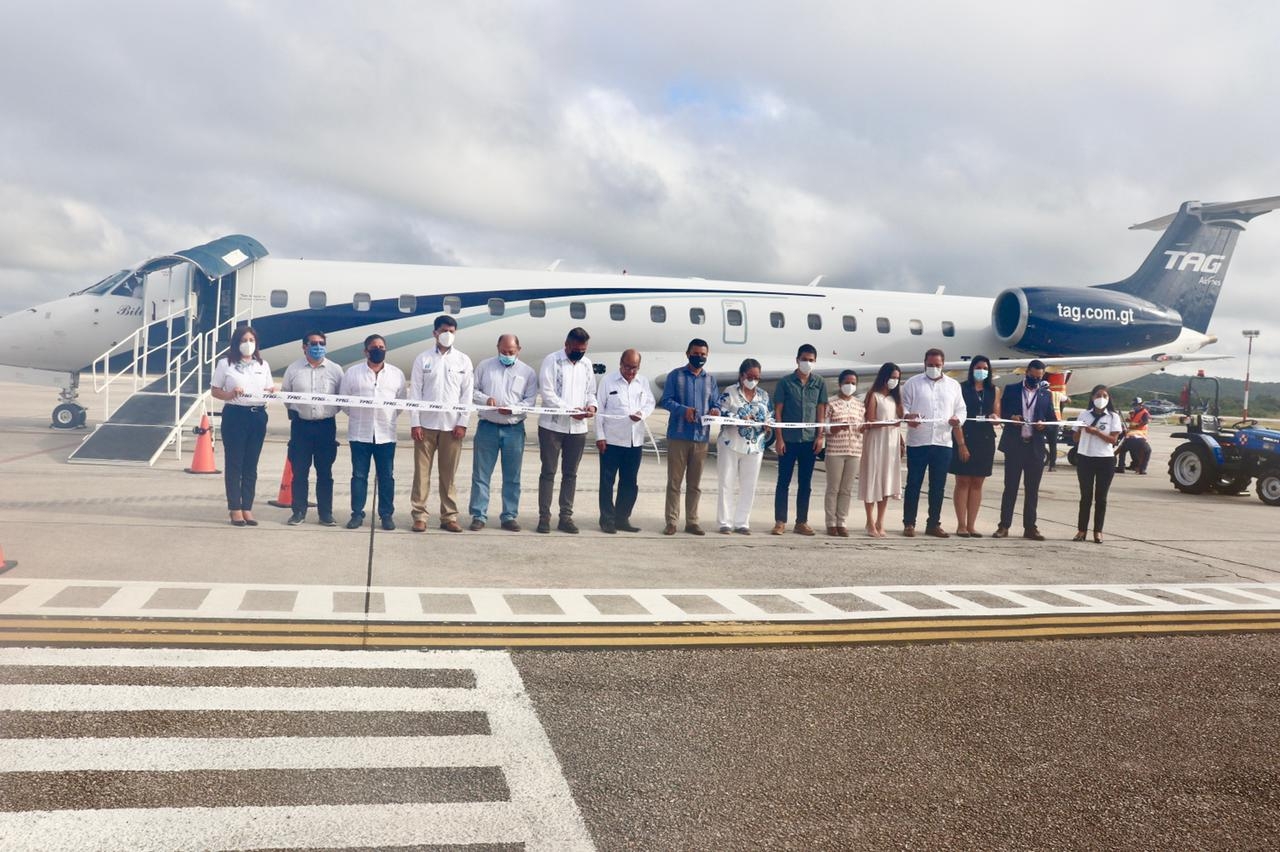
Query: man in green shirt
{"x": 801, "y": 397}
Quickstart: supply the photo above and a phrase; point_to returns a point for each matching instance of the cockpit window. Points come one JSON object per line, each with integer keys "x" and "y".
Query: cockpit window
{"x": 123, "y": 283}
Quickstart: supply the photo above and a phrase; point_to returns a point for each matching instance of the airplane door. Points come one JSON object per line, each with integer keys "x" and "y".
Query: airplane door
{"x": 735, "y": 320}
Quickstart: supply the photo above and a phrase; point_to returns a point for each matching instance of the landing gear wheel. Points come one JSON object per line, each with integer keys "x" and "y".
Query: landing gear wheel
{"x": 68, "y": 416}
{"x": 1268, "y": 487}
{"x": 1190, "y": 469}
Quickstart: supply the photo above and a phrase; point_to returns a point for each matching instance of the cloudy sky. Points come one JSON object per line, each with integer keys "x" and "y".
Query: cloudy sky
{"x": 976, "y": 145}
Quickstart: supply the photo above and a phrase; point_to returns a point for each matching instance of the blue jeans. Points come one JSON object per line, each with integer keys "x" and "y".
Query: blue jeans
{"x": 800, "y": 455}
{"x": 491, "y": 440}
{"x": 935, "y": 461}
{"x": 383, "y": 456}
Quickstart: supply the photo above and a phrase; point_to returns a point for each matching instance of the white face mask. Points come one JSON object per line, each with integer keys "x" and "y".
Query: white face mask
{"x": 933, "y": 372}
{"x": 1099, "y": 402}
{"x": 247, "y": 348}
{"x": 751, "y": 384}
{"x": 848, "y": 389}
{"x": 891, "y": 384}
{"x": 445, "y": 339}
{"x": 980, "y": 375}
{"x": 805, "y": 367}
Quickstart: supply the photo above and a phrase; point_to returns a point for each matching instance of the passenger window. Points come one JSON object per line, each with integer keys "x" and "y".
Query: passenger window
{"x": 537, "y": 308}
{"x": 317, "y": 299}
{"x": 497, "y": 307}
{"x": 916, "y": 326}
{"x": 657, "y": 313}
{"x": 578, "y": 310}
{"x": 777, "y": 320}
{"x": 279, "y": 298}
{"x": 453, "y": 304}
{"x": 408, "y": 303}
{"x": 733, "y": 316}
{"x": 617, "y": 312}
{"x": 882, "y": 325}
{"x": 697, "y": 316}
{"x": 815, "y": 321}
{"x": 948, "y": 329}
{"x": 850, "y": 323}
{"x": 361, "y": 302}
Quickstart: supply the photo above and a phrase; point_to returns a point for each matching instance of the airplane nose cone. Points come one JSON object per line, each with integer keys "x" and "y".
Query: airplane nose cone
{"x": 17, "y": 338}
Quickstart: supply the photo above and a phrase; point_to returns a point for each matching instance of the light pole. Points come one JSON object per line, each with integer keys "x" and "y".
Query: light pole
{"x": 1250, "y": 333}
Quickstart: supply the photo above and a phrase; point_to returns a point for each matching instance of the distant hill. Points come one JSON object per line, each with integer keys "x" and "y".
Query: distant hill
{"x": 1264, "y": 397}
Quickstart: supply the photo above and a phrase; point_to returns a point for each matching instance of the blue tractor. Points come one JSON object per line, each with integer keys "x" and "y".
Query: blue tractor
{"x": 1222, "y": 458}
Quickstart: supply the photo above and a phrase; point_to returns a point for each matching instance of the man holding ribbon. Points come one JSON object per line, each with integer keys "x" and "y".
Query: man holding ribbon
{"x": 1029, "y": 405}
{"x": 440, "y": 375}
{"x": 313, "y": 428}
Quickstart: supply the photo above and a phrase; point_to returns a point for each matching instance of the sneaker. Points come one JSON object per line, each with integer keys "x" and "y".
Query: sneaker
{"x": 296, "y": 518}
{"x": 544, "y": 525}
{"x": 567, "y": 525}
{"x": 743, "y": 531}
{"x": 511, "y": 526}
{"x": 625, "y": 526}
{"x": 356, "y": 522}
{"x": 726, "y": 530}
{"x": 387, "y": 523}
{"x": 477, "y": 525}
{"x": 327, "y": 521}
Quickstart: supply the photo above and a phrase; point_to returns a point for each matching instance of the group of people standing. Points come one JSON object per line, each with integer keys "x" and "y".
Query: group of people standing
{"x": 949, "y": 430}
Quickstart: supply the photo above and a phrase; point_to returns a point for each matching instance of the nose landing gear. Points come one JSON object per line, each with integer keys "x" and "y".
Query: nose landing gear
{"x": 69, "y": 414}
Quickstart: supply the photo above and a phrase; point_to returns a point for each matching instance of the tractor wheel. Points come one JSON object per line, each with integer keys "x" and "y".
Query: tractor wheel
{"x": 1236, "y": 484}
{"x": 1191, "y": 469}
{"x": 1269, "y": 487}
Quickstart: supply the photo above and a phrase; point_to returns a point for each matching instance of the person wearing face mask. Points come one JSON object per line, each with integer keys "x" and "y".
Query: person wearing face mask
{"x": 313, "y": 429}
{"x": 372, "y": 431}
{"x": 442, "y": 375}
{"x": 981, "y": 405}
{"x": 244, "y": 421}
{"x": 1030, "y": 406}
{"x": 935, "y": 413}
{"x": 625, "y": 401}
{"x": 845, "y": 413}
{"x": 566, "y": 380}
{"x": 799, "y": 397}
{"x": 880, "y": 470}
{"x": 740, "y": 449}
{"x": 1097, "y": 431}
{"x": 690, "y": 393}
{"x": 509, "y": 383}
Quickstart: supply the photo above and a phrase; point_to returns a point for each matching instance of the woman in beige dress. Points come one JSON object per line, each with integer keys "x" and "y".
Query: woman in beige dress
{"x": 880, "y": 472}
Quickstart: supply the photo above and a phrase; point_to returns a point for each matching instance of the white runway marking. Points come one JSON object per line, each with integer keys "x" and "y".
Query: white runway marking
{"x": 540, "y": 812}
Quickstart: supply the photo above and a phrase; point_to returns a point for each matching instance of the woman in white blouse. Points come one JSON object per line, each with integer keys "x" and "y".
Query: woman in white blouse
{"x": 244, "y": 421}
{"x": 1097, "y": 430}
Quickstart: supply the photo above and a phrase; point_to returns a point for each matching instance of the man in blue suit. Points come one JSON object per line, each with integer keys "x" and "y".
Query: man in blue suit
{"x": 1031, "y": 405}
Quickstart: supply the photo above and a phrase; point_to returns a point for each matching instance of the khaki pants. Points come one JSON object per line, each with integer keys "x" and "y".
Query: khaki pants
{"x": 685, "y": 460}
{"x": 841, "y": 471}
{"x": 424, "y": 452}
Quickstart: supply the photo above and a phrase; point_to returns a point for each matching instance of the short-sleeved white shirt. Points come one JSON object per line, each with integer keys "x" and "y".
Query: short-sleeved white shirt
{"x": 252, "y": 376}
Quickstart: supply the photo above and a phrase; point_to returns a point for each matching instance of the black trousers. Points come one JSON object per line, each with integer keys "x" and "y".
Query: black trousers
{"x": 1095, "y": 475}
{"x": 243, "y": 430}
{"x": 313, "y": 442}
{"x": 1023, "y": 463}
{"x": 622, "y": 464}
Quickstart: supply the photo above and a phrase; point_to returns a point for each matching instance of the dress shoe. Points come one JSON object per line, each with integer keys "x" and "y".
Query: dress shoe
{"x": 611, "y": 529}
{"x": 743, "y": 531}
{"x": 909, "y": 532}
{"x": 327, "y": 521}
{"x": 451, "y": 526}
{"x": 693, "y": 529}
{"x": 1097, "y": 538}
{"x": 726, "y": 531}
{"x": 1001, "y": 532}
{"x": 1079, "y": 536}
{"x": 625, "y": 526}
{"x": 511, "y": 526}
{"x": 1033, "y": 534}
{"x": 961, "y": 534}
{"x": 476, "y": 525}
{"x": 544, "y": 526}
{"x": 387, "y": 523}
{"x": 238, "y": 522}
{"x": 779, "y": 528}
{"x": 567, "y": 525}
{"x": 356, "y": 522}
{"x": 843, "y": 532}
{"x": 973, "y": 534}
{"x": 250, "y": 522}
{"x": 296, "y": 518}
{"x": 937, "y": 532}
{"x": 803, "y": 529}
{"x": 419, "y": 526}
{"x": 831, "y": 531}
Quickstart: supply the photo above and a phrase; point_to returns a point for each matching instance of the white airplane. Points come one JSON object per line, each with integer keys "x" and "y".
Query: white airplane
{"x": 1105, "y": 333}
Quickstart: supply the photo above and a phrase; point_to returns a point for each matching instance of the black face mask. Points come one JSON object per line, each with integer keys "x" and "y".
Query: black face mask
{"x": 1032, "y": 382}
{"x": 377, "y": 356}
{"x": 696, "y": 361}
{"x": 575, "y": 355}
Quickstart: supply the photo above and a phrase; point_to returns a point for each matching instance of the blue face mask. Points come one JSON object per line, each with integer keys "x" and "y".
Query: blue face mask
{"x": 981, "y": 375}
{"x": 315, "y": 351}
{"x": 506, "y": 360}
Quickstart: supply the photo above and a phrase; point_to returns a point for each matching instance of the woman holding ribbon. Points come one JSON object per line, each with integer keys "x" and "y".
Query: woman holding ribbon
{"x": 740, "y": 448}
{"x": 845, "y": 413}
{"x": 237, "y": 379}
{"x": 982, "y": 406}
{"x": 1097, "y": 431}
{"x": 880, "y": 471}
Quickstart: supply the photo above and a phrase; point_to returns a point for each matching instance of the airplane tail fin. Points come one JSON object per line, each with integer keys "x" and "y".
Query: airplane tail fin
{"x": 1186, "y": 268}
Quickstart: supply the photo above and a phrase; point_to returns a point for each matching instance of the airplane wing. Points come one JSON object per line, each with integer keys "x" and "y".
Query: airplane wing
{"x": 1243, "y": 210}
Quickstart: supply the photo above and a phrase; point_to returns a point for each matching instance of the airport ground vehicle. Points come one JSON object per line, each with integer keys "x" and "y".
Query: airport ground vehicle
{"x": 1223, "y": 458}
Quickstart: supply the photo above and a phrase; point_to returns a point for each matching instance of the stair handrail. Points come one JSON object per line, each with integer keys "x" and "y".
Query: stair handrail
{"x": 104, "y": 379}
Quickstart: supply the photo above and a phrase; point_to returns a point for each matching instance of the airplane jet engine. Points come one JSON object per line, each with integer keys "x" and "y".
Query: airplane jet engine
{"x": 1079, "y": 321}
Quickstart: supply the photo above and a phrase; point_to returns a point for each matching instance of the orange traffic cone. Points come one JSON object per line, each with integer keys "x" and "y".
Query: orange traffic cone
{"x": 284, "y": 500}
{"x": 202, "y": 461}
{"x": 6, "y": 564}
